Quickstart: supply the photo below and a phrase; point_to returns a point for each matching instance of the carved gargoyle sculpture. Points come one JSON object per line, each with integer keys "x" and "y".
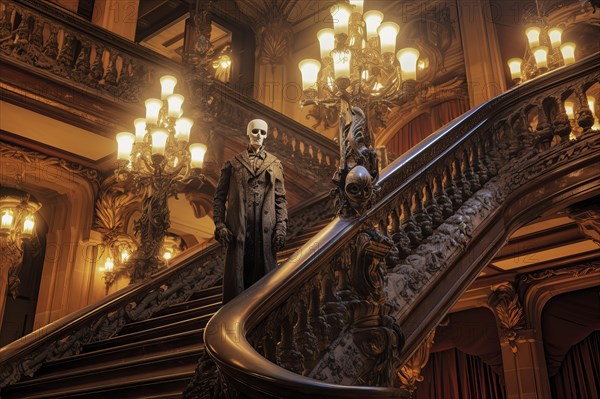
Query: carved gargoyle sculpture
{"x": 356, "y": 178}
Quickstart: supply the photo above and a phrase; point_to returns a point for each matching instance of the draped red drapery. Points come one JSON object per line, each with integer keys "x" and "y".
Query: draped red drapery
{"x": 466, "y": 361}
{"x": 571, "y": 334}
{"x": 425, "y": 124}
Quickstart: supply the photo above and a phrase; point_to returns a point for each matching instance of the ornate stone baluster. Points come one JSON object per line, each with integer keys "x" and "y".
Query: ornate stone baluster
{"x": 37, "y": 36}
{"x": 304, "y": 337}
{"x": 480, "y": 169}
{"x": 97, "y": 66}
{"x": 520, "y": 138}
{"x": 560, "y": 119}
{"x": 335, "y": 312}
{"x": 51, "y": 47}
{"x": 399, "y": 236}
{"x": 65, "y": 55}
{"x": 81, "y": 69}
{"x": 111, "y": 75}
{"x": 421, "y": 217}
{"x": 441, "y": 197}
{"x": 584, "y": 117}
{"x": 460, "y": 178}
{"x": 288, "y": 356}
{"x": 450, "y": 187}
{"x": 493, "y": 156}
{"x": 317, "y": 316}
{"x": 412, "y": 229}
{"x": 431, "y": 205}
{"x": 544, "y": 132}
{"x": 470, "y": 174}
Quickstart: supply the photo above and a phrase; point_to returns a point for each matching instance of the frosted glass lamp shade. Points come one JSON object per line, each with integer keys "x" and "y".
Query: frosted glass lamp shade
{"x": 310, "y": 72}
{"x": 388, "y": 31}
{"x": 167, "y": 86}
{"x": 408, "y": 58}
{"x": 153, "y": 106}
{"x": 125, "y": 142}
{"x": 197, "y": 152}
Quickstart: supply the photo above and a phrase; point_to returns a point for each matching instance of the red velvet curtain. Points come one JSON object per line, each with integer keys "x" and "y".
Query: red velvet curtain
{"x": 466, "y": 361}
{"x": 425, "y": 124}
{"x": 452, "y": 374}
{"x": 579, "y": 376}
{"x": 571, "y": 333}
{"x": 566, "y": 320}
{"x": 410, "y": 134}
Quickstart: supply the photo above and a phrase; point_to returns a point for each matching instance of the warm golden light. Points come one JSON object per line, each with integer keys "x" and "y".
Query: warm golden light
{"x": 153, "y": 106}
{"x": 358, "y": 5}
{"x": 326, "y": 41}
{"x": 514, "y": 64}
{"x": 140, "y": 129}
{"x": 197, "y": 152}
{"x": 174, "y": 101}
{"x": 125, "y": 142}
{"x": 109, "y": 265}
{"x": 408, "y": 58}
{"x": 372, "y": 19}
{"x": 310, "y": 72}
{"x": 340, "y": 14}
{"x": 388, "y": 31}
{"x": 167, "y": 255}
{"x": 541, "y": 57}
{"x": 341, "y": 63}
{"x": 167, "y": 86}
{"x": 159, "y": 141}
{"x": 183, "y": 126}
{"x": 570, "y": 109}
{"x": 28, "y": 225}
{"x": 568, "y": 52}
{"x": 592, "y": 104}
{"x": 124, "y": 256}
{"x": 555, "y": 35}
{"x": 7, "y": 220}
{"x": 533, "y": 36}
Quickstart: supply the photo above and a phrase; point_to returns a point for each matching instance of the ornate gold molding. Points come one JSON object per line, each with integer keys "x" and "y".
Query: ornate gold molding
{"x": 410, "y": 373}
{"x": 41, "y": 160}
{"x": 525, "y": 281}
{"x": 505, "y": 303}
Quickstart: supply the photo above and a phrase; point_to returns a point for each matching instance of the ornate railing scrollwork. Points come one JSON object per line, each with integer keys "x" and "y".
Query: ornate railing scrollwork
{"x": 409, "y": 256}
{"x": 197, "y": 271}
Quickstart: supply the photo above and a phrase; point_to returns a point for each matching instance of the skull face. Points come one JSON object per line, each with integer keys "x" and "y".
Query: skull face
{"x": 359, "y": 187}
{"x": 257, "y": 132}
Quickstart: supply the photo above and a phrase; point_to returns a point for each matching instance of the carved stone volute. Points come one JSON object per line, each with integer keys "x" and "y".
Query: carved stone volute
{"x": 507, "y": 308}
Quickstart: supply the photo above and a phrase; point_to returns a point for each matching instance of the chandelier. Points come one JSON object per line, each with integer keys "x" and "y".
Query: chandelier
{"x": 359, "y": 62}
{"x": 545, "y": 52}
{"x": 17, "y": 226}
{"x": 159, "y": 163}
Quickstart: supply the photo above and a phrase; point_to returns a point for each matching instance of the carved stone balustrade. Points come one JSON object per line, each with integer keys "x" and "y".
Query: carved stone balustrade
{"x": 332, "y": 321}
{"x": 61, "y": 65}
{"x": 201, "y": 269}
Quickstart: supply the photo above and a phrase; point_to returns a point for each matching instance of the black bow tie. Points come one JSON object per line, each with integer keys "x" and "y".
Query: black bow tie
{"x": 260, "y": 154}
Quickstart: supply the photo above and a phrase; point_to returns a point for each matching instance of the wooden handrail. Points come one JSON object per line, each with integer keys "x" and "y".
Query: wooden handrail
{"x": 226, "y": 337}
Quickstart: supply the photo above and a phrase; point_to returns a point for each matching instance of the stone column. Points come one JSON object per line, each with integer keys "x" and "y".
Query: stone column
{"x": 522, "y": 356}
{"x": 274, "y": 41}
{"x": 483, "y": 61}
{"x": 118, "y": 16}
{"x": 524, "y": 367}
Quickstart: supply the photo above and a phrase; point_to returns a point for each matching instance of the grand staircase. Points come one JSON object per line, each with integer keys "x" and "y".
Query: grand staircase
{"x": 152, "y": 358}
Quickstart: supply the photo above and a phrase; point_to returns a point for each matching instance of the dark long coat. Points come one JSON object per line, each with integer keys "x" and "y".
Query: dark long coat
{"x": 233, "y": 188}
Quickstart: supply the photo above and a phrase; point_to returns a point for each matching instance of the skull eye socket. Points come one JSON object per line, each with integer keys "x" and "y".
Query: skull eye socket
{"x": 259, "y": 131}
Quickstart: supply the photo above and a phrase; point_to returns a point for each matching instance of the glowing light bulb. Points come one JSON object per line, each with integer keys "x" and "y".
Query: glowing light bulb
{"x": 568, "y": 52}
{"x": 28, "y": 225}
{"x": 326, "y": 42}
{"x": 159, "y": 141}
{"x": 310, "y": 71}
{"x": 174, "y": 101}
{"x": 533, "y": 36}
{"x": 388, "y": 31}
{"x": 197, "y": 152}
{"x": 109, "y": 265}
{"x": 153, "y": 106}
{"x": 372, "y": 19}
{"x": 555, "y": 35}
{"x": 125, "y": 145}
{"x": 7, "y": 220}
{"x": 541, "y": 57}
{"x": 183, "y": 126}
{"x": 167, "y": 86}
{"x": 514, "y": 64}
{"x": 408, "y": 63}
{"x": 340, "y": 14}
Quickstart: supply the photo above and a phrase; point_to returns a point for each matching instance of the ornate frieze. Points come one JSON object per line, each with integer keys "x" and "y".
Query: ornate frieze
{"x": 507, "y": 308}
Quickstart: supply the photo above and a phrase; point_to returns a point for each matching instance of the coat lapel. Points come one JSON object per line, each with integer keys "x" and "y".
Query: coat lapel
{"x": 269, "y": 159}
{"x": 244, "y": 159}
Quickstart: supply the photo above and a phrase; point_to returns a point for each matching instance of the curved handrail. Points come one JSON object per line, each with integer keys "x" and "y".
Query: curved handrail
{"x": 197, "y": 257}
{"x": 226, "y": 335}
